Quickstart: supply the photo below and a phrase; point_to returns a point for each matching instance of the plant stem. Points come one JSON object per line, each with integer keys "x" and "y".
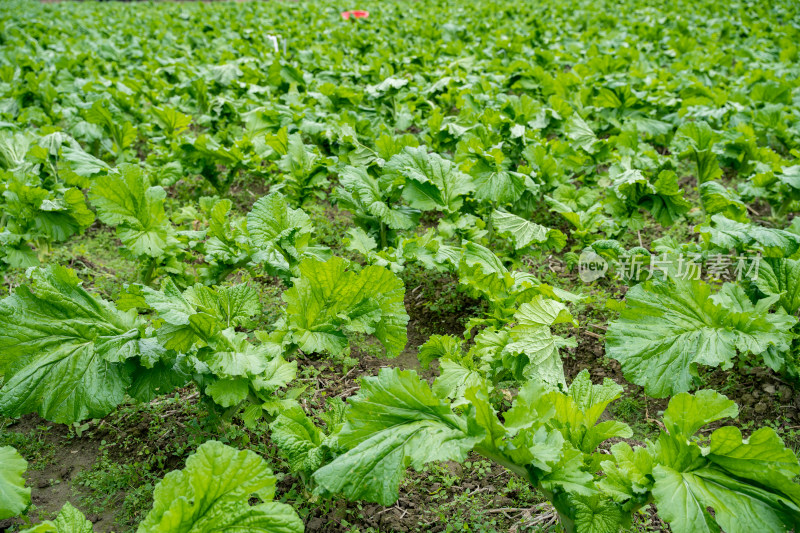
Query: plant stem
{"x": 383, "y": 236}
{"x": 239, "y": 264}
{"x": 563, "y": 512}
{"x": 784, "y": 208}
{"x": 150, "y": 272}
{"x": 490, "y": 225}
{"x": 502, "y": 460}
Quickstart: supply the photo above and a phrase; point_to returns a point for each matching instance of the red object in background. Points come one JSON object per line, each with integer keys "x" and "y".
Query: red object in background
{"x": 356, "y": 14}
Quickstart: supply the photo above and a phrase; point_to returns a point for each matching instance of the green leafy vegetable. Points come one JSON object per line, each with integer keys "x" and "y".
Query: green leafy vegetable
{"x": 328, "y": 302}
{"x": 212, "y": 493}
{"x": 14, "y": 496}
{"x": 69, "y": 520}
{"x": 669, "y": 328}
{"x": 63, "y": 352}
{"x": 126, "y": 200}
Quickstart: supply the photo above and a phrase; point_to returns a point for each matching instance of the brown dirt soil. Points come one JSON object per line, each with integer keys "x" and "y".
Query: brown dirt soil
{"x": 52, "y": 484}
{"x": 416, "y": 508}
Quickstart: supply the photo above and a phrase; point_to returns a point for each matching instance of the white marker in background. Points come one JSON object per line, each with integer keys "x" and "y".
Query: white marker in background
{"x": 274, "y": 41}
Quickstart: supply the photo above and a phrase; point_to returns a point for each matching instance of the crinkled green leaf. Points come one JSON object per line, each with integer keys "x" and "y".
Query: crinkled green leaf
{"x": 328, "y": 302}
{"x": 69, "y": 520}
{"x": 212, "y": 492}
{"x": 500, "y": 186}
{"x": 629, "y": 475}
{"x": 577, "y": 413}
{"x": 667, "y": 329}
{"x": 439, "y": 347}
{"x": 579, "y": 131}
{"x": 701, "y": 140}
{"x": 455, "y": 379}
{"x": 126, "y": 200}
{"x": 14, "y": 495}
{"x": 394, "y": 421}
{"x": 228, "y": 392}
{"x": 232, "y": 305}
{"x": 781, "y": 277}
{"x": 299, "y": 440}
{"x": 736, "y": 484}
{"x": 62, "y": 350}
{"x": 524, "y": 232}
{"x": 83, "y": 164}
{"x": 532, "y": 336}
{"x": 365, "y": 192}
{"x": 272, "y": 224}
{"x": 729, "y": 234}
{"x": 432, "y": 181}
{"x": 595, "y": 514}
{"x": 717, "y": 199}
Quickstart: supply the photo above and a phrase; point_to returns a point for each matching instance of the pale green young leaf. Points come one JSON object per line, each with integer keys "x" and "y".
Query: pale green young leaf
{"x": 629, "y": 475}
{"x": 524, "y": 232}
{"x": 532, "y": 336}
{"x": 14, "y": 495}
{"x": 686, "y": 413}
{"x": 68, "y": 520}
{"x": 359, "y": 241}
{"x": 537, "y": 446}
{"x": 455, "y": 379}
{"x": 439, "y": 347}
{"x": 212, "y": 492}
{"x": 271, "y": 219}
{"x": 577, "y": 412}
{"x": 595, "y": 514}
{"x": 228, "y": 392}
{"x": 328, "y": 302}
{"x": 231, "y": 305}
{"x": 701, "y": 140}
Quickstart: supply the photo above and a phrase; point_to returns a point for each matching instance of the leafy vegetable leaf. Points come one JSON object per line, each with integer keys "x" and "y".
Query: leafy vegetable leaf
{"x": 328, "y": 302}
{"x": 69, "y": 520}
{"x": 667, "y": 329}
{"x": 395, "y": 420}
{"x": 126, "y": 200}
{"x": 781, "y": 277}
{"x": 432, "y": 181}
{"x": 62, "y": 350}
{"x": 14, "y": 496}
{"x": 362, "y": 192}
{"x": 212, "y": 492}
{"x": 524, "y": 232}
{"x": 299, "y": 440}
{"x": 729, "y": 234}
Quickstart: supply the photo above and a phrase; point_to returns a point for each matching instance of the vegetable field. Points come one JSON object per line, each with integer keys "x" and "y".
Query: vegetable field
{"x": 400, "y": 266}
